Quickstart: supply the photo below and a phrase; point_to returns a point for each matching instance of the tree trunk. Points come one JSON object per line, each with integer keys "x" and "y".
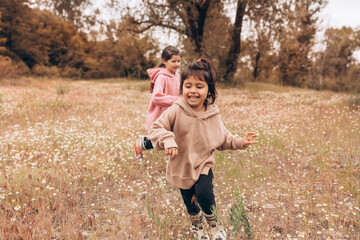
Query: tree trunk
{"x": 196, "y": 25}
{"x": 256, "y": 67}
{"x": 231, "y": 61}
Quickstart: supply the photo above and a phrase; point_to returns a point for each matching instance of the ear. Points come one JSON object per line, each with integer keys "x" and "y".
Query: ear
{"x": 164, "y": 61}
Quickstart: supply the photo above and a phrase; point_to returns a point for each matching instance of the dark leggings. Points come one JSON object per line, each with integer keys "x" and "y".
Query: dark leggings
{"x": 148, "y": 143}
{"x": 204, "y": 194}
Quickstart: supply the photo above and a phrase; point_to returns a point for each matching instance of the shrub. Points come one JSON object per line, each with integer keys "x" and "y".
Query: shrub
{"x": 7, "y": 68}
{"x": 354, "y": 101}
{"x": 69, "y": 72}
{"x": 46, "y": 71}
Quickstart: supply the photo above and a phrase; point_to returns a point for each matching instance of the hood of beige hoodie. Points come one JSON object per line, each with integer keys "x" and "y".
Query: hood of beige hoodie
{"x": 211, "y": 109}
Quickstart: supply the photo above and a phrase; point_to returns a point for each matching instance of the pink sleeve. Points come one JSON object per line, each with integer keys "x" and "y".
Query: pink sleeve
{"x": 159, "y": 97}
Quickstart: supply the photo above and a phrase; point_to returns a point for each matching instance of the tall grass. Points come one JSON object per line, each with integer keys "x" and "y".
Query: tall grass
{"x": 238, "y": 218}
{"x": 67, "y": 169}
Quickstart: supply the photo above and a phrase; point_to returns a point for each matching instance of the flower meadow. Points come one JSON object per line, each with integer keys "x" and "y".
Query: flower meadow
{"x": 67, "y": 169}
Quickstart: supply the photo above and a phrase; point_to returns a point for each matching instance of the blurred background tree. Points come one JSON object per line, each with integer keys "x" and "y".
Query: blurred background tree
{"x": 69, "y": 10}
{"x": 339, "y": 69}
{"x": 296, "y": 40}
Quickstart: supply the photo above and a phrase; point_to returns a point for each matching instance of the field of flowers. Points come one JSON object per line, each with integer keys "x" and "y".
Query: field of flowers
{"x": 67, "y": 169}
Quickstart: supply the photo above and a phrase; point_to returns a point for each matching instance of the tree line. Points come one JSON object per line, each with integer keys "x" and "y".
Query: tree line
{"x": 278, "y": 45}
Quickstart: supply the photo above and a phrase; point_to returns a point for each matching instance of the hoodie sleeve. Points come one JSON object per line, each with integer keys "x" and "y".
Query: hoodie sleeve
{"x": 231, "y": 141}
{"x": 160, "y": 132}
{"x": 158, "y": 97}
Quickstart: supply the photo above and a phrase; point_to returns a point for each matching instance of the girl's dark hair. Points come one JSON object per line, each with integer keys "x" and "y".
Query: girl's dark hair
{"x": 203, "y": 70}
{"x": 167, "y": 54}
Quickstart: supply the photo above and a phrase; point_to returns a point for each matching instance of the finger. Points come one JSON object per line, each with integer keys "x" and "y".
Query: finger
{"x": 167, "y": 151}
{"x": 173, "y": 152}
{"x": 253, "y": 135}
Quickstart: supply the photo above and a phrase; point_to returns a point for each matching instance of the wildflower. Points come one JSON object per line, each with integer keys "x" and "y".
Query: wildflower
{"x": 301, "y": 234}
{"x": 17, "y": 207}
{"x": 43, "y": 181}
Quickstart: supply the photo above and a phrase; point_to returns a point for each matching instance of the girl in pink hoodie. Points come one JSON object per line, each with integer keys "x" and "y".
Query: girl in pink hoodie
{"x": 164, "y": 86}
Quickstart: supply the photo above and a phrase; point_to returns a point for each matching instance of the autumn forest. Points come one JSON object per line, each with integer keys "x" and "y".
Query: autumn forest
{"x": 58, "y": 38}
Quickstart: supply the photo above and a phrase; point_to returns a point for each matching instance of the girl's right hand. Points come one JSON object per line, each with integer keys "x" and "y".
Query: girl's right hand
{"x": 172, "y": 152}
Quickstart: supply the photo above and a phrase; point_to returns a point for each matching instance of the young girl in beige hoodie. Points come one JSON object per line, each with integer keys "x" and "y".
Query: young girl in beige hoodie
{"x": 189, "y": 131}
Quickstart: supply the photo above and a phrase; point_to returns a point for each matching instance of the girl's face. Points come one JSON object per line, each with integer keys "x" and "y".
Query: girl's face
{"x": 173, "y": 63}
{"x": 195, "y": 92}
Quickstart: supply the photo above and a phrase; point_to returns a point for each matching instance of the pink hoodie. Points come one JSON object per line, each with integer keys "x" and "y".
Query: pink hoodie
{"x": 165, "y": 93}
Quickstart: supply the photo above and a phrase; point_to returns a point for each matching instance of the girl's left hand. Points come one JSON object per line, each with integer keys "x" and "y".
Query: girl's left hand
{"x": 248, "y": 139}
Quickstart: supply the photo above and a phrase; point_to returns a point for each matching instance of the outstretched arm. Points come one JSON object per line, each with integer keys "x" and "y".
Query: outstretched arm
{"x": 160, "y": 132}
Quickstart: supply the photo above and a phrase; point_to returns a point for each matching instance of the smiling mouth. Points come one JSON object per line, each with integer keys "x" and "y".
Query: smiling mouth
{"x": 193, "y": 98}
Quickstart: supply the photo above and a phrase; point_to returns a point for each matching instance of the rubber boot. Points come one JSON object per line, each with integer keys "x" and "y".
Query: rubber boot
{"x": 198, "y": 226}
{"x": 217, "y": 231}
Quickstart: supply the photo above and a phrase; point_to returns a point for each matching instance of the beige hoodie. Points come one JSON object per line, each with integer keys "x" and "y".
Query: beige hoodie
{"x": 196, "y": 136}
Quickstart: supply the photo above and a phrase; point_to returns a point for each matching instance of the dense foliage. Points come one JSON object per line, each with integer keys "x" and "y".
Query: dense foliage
{"x": 54, "y": 38}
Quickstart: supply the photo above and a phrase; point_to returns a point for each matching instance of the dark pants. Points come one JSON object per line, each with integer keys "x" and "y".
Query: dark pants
{"x": 204, "y": 194}
{"x": 148, "y": 143}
